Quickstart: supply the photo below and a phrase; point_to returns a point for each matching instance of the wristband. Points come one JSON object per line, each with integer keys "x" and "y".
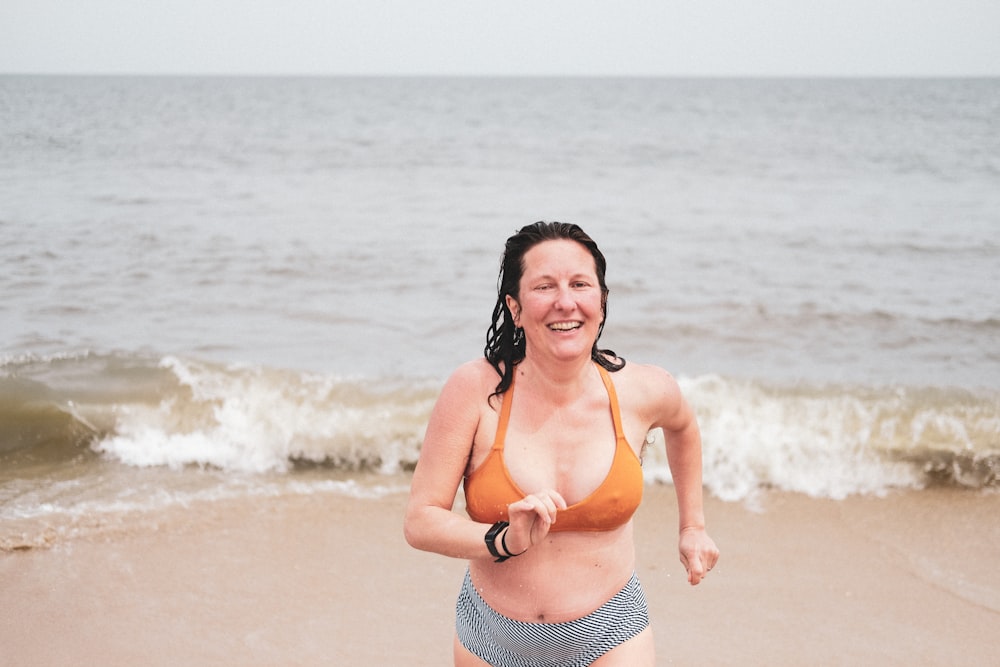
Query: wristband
{"x": 491, "y": 540}
{"x": 503, "y": 543}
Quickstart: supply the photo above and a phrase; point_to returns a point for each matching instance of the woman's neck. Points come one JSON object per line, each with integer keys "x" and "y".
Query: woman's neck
{"x": 560, "y": 381}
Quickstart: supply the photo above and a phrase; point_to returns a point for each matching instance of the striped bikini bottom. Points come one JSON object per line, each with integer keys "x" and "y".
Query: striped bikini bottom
{"x": 504, "y": 642}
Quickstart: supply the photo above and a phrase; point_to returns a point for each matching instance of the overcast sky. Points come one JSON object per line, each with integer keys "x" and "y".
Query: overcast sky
{"x": 503, "y": 37}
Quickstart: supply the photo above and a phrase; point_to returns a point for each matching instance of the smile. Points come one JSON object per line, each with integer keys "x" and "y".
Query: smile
{"x": 565, "y": 326}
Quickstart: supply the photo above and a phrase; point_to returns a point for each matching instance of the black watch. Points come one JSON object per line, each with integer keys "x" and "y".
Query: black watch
{"x": 491, "y": 540}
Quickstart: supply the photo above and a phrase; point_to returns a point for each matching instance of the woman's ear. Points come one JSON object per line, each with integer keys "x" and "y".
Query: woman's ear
{"x": 515, "y": 309}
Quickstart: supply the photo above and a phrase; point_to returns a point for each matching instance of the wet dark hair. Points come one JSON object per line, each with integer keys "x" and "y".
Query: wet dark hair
{"x": 505, "y": 345}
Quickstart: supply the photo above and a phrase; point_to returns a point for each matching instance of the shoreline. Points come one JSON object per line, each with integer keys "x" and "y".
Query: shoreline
{"x": 907, "y": 579}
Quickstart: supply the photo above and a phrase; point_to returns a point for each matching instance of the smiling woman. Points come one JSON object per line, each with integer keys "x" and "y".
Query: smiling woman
{"x": 559, "y": 305}
{"x": 552, "y": 476}
{"x": 505, "y": 341}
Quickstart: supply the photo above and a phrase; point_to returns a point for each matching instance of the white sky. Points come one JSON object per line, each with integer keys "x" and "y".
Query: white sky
{"x": 503, "y": 37}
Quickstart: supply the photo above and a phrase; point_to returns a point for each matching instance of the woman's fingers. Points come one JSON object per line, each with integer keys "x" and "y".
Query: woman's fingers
{"x": 531, "y": 517}
{"x": 698, "y": 554}
{"x": 544, "y": 504}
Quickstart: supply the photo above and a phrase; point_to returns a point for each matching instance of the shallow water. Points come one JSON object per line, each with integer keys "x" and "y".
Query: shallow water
{"x": 208, "y": 280}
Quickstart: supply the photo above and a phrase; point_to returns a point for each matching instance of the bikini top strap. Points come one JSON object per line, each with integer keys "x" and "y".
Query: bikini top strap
{"x": 508, "y": 399}
{"x": 616, "y": 416}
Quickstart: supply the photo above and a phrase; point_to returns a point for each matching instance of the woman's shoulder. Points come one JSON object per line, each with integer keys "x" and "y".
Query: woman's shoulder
{"x": 645, "y": 376}
{"x": 474, "y": 370}
{"x": 632, "y": 372}
{"x": 475, "y": 378}
{"x": 465, "y": 394}
{"x": 647, "y": 387}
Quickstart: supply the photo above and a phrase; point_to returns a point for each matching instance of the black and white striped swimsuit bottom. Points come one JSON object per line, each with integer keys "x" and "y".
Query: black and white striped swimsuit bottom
{"x": 504, "y": 642}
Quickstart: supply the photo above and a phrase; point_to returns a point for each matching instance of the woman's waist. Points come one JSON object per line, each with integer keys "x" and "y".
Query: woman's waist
{"x": 557, "y": 581}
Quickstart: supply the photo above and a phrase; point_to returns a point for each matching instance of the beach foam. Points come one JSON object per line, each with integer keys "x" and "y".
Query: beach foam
{"x": 113, "y": 433}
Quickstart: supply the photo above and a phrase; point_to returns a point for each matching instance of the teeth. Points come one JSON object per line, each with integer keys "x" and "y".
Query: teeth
{"x": 565, "y": 326}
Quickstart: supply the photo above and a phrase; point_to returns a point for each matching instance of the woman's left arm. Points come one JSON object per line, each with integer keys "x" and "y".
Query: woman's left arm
{"x": 675, "y": 417}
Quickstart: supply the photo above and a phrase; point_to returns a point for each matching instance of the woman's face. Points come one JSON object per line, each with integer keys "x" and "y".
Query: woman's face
{"x": 559, "y": 304}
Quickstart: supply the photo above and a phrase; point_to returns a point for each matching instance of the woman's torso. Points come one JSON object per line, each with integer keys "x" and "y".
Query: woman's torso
{"x": 576, "y": 449}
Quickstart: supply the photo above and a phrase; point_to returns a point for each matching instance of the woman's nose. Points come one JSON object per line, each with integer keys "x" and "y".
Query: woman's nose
{"x": 564, "y": 299}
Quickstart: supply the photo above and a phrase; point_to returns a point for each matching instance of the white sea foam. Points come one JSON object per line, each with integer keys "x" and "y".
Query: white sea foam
{"x": 256, "y": 420}
{"x": 43, "y": 514}
{"x": 822, "y": 441}
{"x": 218, "y": 431}
{"x": 828, "y": 443}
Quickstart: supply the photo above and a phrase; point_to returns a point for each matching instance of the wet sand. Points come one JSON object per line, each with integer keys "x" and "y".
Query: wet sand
{"x": 910, "y": 579}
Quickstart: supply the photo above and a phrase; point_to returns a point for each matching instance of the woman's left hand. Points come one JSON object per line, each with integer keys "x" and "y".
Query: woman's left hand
{"x": 698, "y": 553}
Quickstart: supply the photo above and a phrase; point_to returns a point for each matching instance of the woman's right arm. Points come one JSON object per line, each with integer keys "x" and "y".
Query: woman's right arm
{"x": 430, "y": 523}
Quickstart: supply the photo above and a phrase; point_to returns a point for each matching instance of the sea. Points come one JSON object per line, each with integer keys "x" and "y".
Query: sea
{"x": 236, "y": 288}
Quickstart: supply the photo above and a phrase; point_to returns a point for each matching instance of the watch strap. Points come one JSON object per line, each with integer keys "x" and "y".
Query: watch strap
{"x": 491, "y": 540}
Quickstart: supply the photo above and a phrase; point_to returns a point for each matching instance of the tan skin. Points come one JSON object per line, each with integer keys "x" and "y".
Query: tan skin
{"x": 559, "y": 447}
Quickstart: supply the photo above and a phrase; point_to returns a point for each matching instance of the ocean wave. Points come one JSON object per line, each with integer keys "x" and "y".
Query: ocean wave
{"x": 835, "y": 441}
{"x": 253, "y": 419}
{"x": 179, "y": 414}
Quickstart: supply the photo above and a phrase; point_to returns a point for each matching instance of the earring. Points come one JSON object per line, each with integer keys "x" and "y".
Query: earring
{"x": 518, "y": 335}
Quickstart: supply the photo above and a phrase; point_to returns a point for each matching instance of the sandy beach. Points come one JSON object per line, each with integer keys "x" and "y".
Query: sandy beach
{"x": 910, "y": 579}
{"x": 230, "y": 303}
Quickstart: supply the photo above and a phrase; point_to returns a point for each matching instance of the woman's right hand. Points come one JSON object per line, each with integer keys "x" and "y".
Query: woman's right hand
{"x": 531, "y": 518}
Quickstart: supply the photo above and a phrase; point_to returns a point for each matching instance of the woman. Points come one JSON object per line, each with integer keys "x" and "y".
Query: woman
{"x": 549, "y": 448}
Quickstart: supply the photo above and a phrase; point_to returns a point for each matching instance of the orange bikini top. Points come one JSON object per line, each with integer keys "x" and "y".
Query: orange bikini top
{"x": 490, "y": 488}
